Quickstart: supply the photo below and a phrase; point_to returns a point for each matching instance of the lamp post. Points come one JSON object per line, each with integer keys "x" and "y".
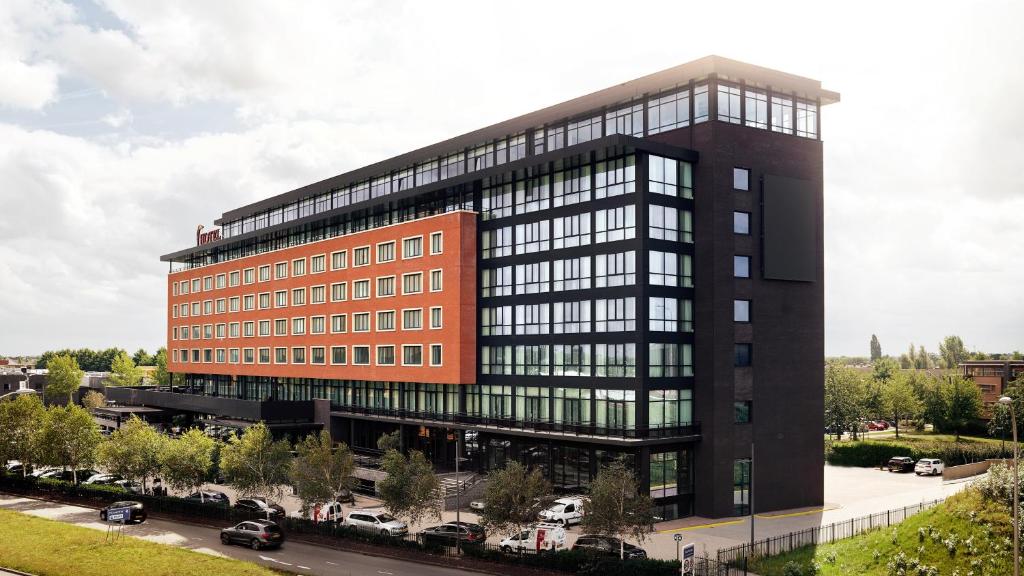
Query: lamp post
{"x": 1006, "y": 400}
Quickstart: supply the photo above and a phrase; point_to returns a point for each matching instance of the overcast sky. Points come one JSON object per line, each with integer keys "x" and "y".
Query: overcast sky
{"x": 123, "y": 124}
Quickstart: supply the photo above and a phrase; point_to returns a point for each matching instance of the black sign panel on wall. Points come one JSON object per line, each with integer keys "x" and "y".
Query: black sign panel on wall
{"x": 789, "y": 245}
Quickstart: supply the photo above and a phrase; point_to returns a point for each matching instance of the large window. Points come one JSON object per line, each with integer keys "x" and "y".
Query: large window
{"x": 782, "y": 115}
{"x": 663, "y": 314}
{"x": 584, "y": 130}
{"x": 668, "y": 112}
{"x": 664, "y": 475}
{"x": 496, "y": 321}
{"x": 572, "y": 405}
{"x": 700, "y": 104}
{"x": 481, "y": 157}
{"x": 497, "y": 202}
{"x": 572, "y": 231}
{"x": 741, "y": 310}
{"x": 496, "y": 360}
{"x": 571, "y": 317}
{"x": 669, "y": 408}
{"x": 572, "y": 360}
{"x": 615, "y": 360}
{"x": 615, "y": 314}
{"x": 615, "y": 224}
{"x": 668, "y": 223}
{"x": 496, "y": 243}
{"x": 741, "y": 266}
{"x": 669, "y": 360}
{"x": 741, "y": 222}
{"x": 532, "y": 319}
{"x": 533, "y": 237}
{"x": 532, "y": 360}
{"x": 496, "y": 281}
{"x": 532, "y": 278}
{"x": 533, "y": 195}
{"x": 615, "y": 177}
{"x": 757, "y": 109}
{"x": 670, "y": 269}
{"x": 615, "y": 269}
{"x": 729, "y": 103}
{"x": 572, "y": 186}
{"x": 385, "y": 252}
{"x": 385, "y": 320}
{"x": 616, "y": 409}
{"x": 669, "y": 177}
{"x": 572, "y": 274}
{"x": 806, "y": 119}
{"x": 741, "y": 486}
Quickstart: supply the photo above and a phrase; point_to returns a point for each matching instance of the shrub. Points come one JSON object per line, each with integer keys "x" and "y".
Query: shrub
{"x": 792, "y": 569}
{"x": 869, "y": 453}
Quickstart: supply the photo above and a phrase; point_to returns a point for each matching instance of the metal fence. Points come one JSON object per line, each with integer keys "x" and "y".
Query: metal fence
{"x": 737, "y": 555}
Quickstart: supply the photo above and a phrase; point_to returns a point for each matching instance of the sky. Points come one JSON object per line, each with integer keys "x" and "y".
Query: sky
{"x": 123, "y": 124}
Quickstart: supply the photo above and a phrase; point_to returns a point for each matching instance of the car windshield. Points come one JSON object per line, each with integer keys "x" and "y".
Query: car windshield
{"x": 384, "y": 518}
{"x": 556, "y": 508}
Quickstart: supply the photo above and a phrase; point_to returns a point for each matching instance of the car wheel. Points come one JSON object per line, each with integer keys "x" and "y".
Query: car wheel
{"x": 935, "y": 472}
{"x": 385, "y": 533}
{"x": 506, "y": 549}
{"x": 224, "y": 539}
{"x": 103, "y": 515}
{"x": 917, "y": 473}
{"x": 255, "y": 544}
{"x": 561, "y": 522}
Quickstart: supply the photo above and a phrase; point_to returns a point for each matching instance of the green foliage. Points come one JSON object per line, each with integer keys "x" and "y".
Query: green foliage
{"x": 884, "y": 368}
{"x": 872, "y": 453}
{"x": 133, "y": 451}
{"x": 578, "y": 562}
{"x": 142, "y": 358}
{"x": 64, "y": 377}
{"x": 256, "y": 465}
{"x": 321, "y": 471}
{"x": 93, "y": 399}
{"x": 123, "y": 371}
{"x": 876, "y": 348}
{"x": 952, "y": 351}
{"x": 89, "y": 360}
{"x": 186, "y": 461}
{"x": 844, "y": 397}
{"x": 390, "y": 441}
{"x": 997, "y": 485}
{"x": 616, "y": 508}
{"x": 963, "y": 404}
{"x": 411, "y": 489}
{"x": 510, "y": 498}
{"x": 68, "y": 437}
{"x": 899, "y": 399}
{"x": 162, "y": 376}
{"x": 21, "y": 422}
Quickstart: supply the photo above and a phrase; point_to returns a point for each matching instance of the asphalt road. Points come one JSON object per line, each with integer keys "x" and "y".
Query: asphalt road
{"x": 292, "y": 556}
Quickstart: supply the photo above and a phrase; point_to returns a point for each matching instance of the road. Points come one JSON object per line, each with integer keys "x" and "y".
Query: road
{"x": 293, "y": 556}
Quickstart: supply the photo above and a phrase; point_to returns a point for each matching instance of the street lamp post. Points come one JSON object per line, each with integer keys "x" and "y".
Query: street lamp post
{"x": 1006, "y": 400}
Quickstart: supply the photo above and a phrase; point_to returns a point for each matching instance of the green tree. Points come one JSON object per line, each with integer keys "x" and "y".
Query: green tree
{"x": 133, "y": 451}
{"x": 142, "y": 358}
{"x": 952, "y": 351}
{"x": 616, "y": 508}
{"x": 884, "y": 368}
{"x": 844, "y": 398}
{"x": 411, "y": 489}
{"x": 186, "y": 461}
{"x": 392, "y": 441}
{"x": 510, "y": 498}
{"x": 63, "y": 378}
{"x": 321, "y": 471}
{"x": 161, "y": 375}
{"x": 93, "y": 400}
{"x": 876, "y": 348}
{"x": 922, "y": 361}
{"x": 963, "y": 403}
{"x": 900, "y": 400}
{"x": 123, "y": 371}
{"x": 21, "y": 422}
{"x": 256, "y": 465}
{"x": 68, "y": 438}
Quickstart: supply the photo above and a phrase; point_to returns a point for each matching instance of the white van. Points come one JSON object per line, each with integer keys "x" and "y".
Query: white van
{"x": 564, "y": 511}
{"x": 541, "y": 537}
{"x": 329, "y": 512}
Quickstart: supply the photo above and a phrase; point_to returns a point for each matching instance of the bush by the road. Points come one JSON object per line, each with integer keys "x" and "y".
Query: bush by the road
{"x": 872, "y": 453}
{"x": 579, "y": 562}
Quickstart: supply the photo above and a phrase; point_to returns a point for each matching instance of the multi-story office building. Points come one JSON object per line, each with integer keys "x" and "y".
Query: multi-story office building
{"x": 993, "y": 378}
{"x": 635, "y": 273}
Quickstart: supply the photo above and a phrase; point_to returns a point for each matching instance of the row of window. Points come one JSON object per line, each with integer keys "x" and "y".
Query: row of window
{"x": 601, "y": 360}
{"x": 411, "y": 355}
{"x": 412, "y": 284}
{"x": 386, "y": 321}
{"x": 412, "y": 247}
{"x": 609, "y": 315}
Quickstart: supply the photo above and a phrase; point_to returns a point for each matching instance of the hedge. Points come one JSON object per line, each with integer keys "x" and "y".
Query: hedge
{"x": 579, "y": 562}
{"x": 868, "y": 453}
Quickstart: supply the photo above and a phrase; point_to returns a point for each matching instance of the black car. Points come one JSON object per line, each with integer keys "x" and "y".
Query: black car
{"x": 138, "y": 512}
{"x": 346, "y": 496}
{"x": 260, "y": 508}
{"x": 608, "y": 546}
{"x": 211, "y": 497}
{"x": 255, "y": 534}
{"x": 901, "y": 464}
{"x": 467, "y": 533}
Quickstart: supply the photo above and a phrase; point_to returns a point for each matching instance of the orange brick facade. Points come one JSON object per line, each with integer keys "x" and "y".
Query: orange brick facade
{"x": 226, "y": 348}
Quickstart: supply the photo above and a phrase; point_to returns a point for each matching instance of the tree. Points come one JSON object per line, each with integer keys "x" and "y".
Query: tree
{"x": 133, "y": 451}
{"x": 392, "y": 441}
{"x": 142, "y": 358}
{"x": 922, "y": 361}
{"x": 963, "y": 403}
{"x": 68, "y": 438}
{"x": 63, "y": 378}
{"x": 616, "y": 509}
{"x": 876, "y": 348}
{"x": 186, "y": 461}
{"x": 321, "y": 471}
{"x": 20, "y": 426}
{"x": 161, "y": 375}
{"x": 93, "y": 400}
{"x": 123, "y": 371}
{"x": 256, "y": 465}
{"x": 884, "y": 368}
{"x": 844, "y": 398}
{"x": 411, "y": 489}
{"x": 952, "y": 351}
{"x": 510, "y": 498}
{"x": 900, "y": 400}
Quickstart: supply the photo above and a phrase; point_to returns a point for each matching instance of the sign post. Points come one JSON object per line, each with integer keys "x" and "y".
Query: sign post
{"x": 118, "y": 517}
{"x": 678, "y": 538}
{"x": 687, "y": 566}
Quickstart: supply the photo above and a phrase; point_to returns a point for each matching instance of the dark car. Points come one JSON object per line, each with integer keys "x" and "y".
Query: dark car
{"x": 467, "y": 533}
{"x": 138, "y": 511}
{"x": 346, "y": 496}
{"x": 901, "y": 464}
{"x": 260, "y": 508}
{"x": 608, "y": 546}
{"x": 211, "y": 497}
{"x": 69, "y": 475}
{"x": 255, "y": 534}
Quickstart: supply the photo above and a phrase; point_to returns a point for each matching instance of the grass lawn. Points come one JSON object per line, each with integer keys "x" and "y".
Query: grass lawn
{"x": 911, "y": 436}
{"x": 964, "y": 535}
{"x": 51, "y": 548}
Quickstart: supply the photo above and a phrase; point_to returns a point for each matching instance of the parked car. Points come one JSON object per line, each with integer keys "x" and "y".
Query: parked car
{"x": 137, "y": 514}
{"x": 328, "y": 512}
{"x": 608, "y": 546}
{"x": 376, "y": 522}
{"x": 68, "y": 475}
{"x": 129, "y": 485}
{"x": 345, "y": 496}
{"x": 102, "y": 479}
{"x": 255, "y": 534}
{"x": 38, "y": 472}
{"x": 564, "y": 511}
{"x": 211, "y": 497}
{"x": 17, "y": 468}
{"x": 901, "y": 464}
{"x": 260, "y": 507}
{"x": 447, "y": 534}
{"x": 540, "y": 537}
{"x": 930, "y": 466}
{"x": 477, "y": 505}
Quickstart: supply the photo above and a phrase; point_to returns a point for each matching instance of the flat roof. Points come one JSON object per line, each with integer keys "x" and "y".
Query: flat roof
{"x": 725, "y": 68}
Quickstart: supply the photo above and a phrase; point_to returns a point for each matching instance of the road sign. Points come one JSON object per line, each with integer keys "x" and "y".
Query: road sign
{"x": 678, "y": 537}
{"x": 119, "y": 515}
{"x": 688, "y": 560}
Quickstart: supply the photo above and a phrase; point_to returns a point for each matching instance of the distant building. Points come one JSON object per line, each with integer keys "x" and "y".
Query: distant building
{"x": 993, "y": 377}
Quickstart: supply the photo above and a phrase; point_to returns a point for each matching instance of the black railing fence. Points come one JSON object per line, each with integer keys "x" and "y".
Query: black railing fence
{"x": 737, "y": 555}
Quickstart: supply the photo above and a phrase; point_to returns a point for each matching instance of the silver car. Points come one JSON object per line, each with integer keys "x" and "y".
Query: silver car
{"x": 376, "y": 522}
